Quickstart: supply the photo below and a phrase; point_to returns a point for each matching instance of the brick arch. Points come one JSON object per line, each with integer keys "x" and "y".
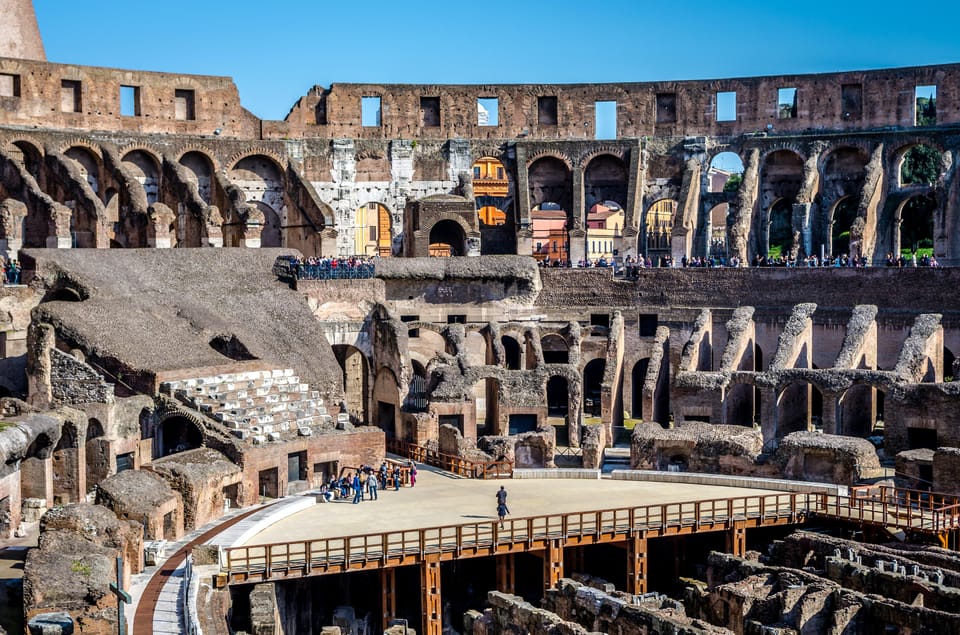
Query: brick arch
{"x": 713, "y": 153}
{"x": 895, "y": 157}
{"x": 467, "y": 230}
{"x": 141, "y": 147}
{"x": 614, "y": 151}
{"x": 187, "y": 149}
{"x": 237, "y": 157}
{"x": 80, "y": 142}
{"x": 780, "y": 147}
{"x": 560, "y": 156}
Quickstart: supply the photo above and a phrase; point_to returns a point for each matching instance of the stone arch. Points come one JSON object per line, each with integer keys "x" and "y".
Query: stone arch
{"x": 90, "y": 163}
{"x": 778, "y": 238}
{"x": 781, "y": 179}
{"x": 448, "y": 237}
{"x": 593, "y": 372}
{"x": 718, "y": 215}
{"x": 261, "y": 179}
{"x": 177, "y": 433}
{"x": 555, "y": 349}
{"x": 918, "y": 163}
{"x": 799, "y": 408}
{"x": 605, "y": 178}
{"x": 272, "y": 233}
{"x": 740, "y": 405}
{"x": 373, "y": 233}
{"x": 917, "y": 225}
{"x": 658, "y": 227}
{"x": 857, "y": 411}
{"x": 146, "y": 170}
{"x": 200, "y": 169}
{"x": 550, "y": 180}
{"x": 511, "y": 352}
{"x": 841, "y": 218}
{"x": 723, "y": 166}
{"x": 355, "y": 369}
{"x": 29, "y": 155}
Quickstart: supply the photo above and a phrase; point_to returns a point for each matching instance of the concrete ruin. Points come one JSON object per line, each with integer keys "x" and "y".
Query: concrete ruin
{"x": 171, "y": 384}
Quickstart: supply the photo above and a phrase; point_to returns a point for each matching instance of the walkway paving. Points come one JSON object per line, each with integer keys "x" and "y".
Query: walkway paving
{"x": 440, "y": 499}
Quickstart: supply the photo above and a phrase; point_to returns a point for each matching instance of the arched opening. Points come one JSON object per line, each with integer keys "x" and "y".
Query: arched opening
{"x": 386, "y": 396}
{"x": 373, "y": 235}
{"x": 27, "y": 155}
{"x": 511, "y": 351}
{"x": 605, "y": 179}
{"x": 780, "y": 229}
{"x": 200, "y": 173}
{"x": 83, "y": 219}
{"x": 417, "y": 396}
{"x": 549, "y": 227}
{"x": 146, "y": 171}
{"x": 739, "y": 405}
{"x": 948, "y": 361}
{"x": 916, "y": 226}
{"x": 261, "y": 181}
{"x": 799, "y": 408}
{"x": 89, "y": 165}
{"x": 638, "y": 377}
{"x": 844, "y": 213}
{"x": 592, "y": 385}
{"x": 550, "y": 181}
{"x": 178, "y": 434}
{"x": 447, "y": 238}
{"x": 353, "y": 365}
{"x": 857, "y": 411}
{"x": 491, "y": 191}
{"x": 920, "y": 165}
{"x": 725, "y": 173}
{"x": 272, "y": 233}
{"x": 555, "y": 349}
{"x": 604, "y": 222}
{"x": 658, "y": 228}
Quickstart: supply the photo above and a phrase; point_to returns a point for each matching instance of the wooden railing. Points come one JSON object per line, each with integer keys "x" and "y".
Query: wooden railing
{"x": 450, "y": 463}
{"x": 262, "y": 562}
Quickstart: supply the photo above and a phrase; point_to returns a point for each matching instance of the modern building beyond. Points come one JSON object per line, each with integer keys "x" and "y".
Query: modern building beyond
{"x": 752, "y": 280}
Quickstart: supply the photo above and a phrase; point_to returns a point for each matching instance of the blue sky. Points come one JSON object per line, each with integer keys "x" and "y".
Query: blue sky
{"x": 276, "y": 50}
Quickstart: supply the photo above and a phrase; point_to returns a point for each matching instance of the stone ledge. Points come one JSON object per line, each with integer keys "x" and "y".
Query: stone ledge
{"x": 728, "y": 481}
{"x": 557, "y": 473}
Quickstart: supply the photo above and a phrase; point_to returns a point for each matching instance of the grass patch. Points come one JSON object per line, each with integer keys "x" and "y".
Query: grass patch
{"x": 592, "y": 421}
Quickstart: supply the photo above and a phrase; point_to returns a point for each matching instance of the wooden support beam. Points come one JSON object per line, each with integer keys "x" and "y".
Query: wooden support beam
{"x": 576, "y": 560}
{"x": 552, "y": 563}
{"x": 506, "y": 573}
{"x": 737, "y": 539}
{"x": 430, "y": 596}
{"x": 637, "y": 564}
{"x": 388, "y": 595}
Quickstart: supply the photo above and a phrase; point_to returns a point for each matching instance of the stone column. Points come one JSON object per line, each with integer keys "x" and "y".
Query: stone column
{"x": 578, "y": 235}
{"x": 768, "y": 414}
{"x": 830, "y": 409}
{"x": 12, "y": 213}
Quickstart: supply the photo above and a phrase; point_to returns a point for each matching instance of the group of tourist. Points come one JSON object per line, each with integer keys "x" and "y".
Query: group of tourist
{"x": 912, "y": 261}
{"x": 366, "y": 481}
{"x": 11, "y": 271}
{"x": 811, "y": 261}
{"x": 351, "y": 268}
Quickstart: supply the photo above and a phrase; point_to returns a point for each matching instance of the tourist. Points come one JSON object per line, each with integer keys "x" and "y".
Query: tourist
{"x": 383, "y": 475}
{"x": 325, "y": 494}
{"x": 357, "y": 489}
{"x": 396, "y": 478}
{"x": 413, "y": 473}
{"x": 502, "y": 509}
{"x": 372, "y": 486}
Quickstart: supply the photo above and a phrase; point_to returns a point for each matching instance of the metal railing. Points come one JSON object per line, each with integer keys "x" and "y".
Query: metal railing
{"x": 451, "y": 463}
{"x": 316, "y": 556}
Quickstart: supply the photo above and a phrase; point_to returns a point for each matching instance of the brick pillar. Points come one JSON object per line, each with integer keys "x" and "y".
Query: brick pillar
{"x": 430, "y": 597}
{"x": 36, "y": 479}
{"x": 637, "y": 564}
{"x": 552, "y": 564}
{"x": 829, "y": 420}
{"x": 506, "y": 573}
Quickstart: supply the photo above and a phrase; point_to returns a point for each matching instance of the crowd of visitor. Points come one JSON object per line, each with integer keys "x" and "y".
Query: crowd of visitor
{"x": 368, "y": 481}
{"x": 11, "y": 271}
{"x": 351, "y": 268}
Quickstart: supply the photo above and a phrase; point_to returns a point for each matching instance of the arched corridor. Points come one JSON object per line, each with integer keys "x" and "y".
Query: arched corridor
{"x": 356, "y": 382}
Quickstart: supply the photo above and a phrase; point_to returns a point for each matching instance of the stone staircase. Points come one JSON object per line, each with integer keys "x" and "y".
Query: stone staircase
{"x": 615, "y": 459}
{"x": 259, "y": 405}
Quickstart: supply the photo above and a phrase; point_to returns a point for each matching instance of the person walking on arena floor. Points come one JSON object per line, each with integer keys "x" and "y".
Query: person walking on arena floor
{"x": 502, "y": 509}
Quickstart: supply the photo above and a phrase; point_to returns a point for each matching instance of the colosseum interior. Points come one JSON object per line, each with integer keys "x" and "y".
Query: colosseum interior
{"x": 214, "y": 315}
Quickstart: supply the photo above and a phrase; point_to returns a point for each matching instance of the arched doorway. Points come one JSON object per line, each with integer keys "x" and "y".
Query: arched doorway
{"x": 511, "y": 352}
{"x": 592, "y": 384}
{"x": 353, "y": 365}
{"x": 146, "y": 170}
{"x": 781, "y": 177}
{"x": 780, "y": 229}
{"x": 725, "y": 172}
{"x": 605, "y": 179}
{"x": 417, "y": 396}
{"x": 447, "y": 238}
{"x": 373, "y": 235}
{"x": 491, "y": 189}
{"x": 637, "y": 378}
{"x": 718, "y": 230}
{"x": 917, "y": 226}
{"x": 799, "y": 408}
{"x": 844, "y": 213}
{"x": 178, "y": 434}
{"x": 739, "y": 405}
{"x": 857, "y": 411}
{"x": 262, "y": 183}
{"x": 555, "y": 349}
{"x": 658, "y": 229}
{"x": 558, "y": 408}
{"x": 920, "y": 165}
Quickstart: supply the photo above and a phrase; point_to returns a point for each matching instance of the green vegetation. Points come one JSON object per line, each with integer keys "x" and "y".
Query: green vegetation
{"x": 78, "y": 566}
{"x": 733, "y": 183}
{"x": 921, "y": 252}
{"x": 927, "y": 111}
{"x": 921, "y": 166}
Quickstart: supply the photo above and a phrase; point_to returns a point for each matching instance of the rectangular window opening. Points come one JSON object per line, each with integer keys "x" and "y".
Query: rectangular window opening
{"x": 488, "y": 111}
{"x": 457, "y": 319}
{"x": 925, "y": 113}
{"x": 648, "y": 324}
{"x": 430, "y": 112}
{"x": 851, "y": 102}
{"x": 129, "y": 101}
{"x": 605, "y": 119}
{"x": 547, "y": 111}
{"x": 786, "y": 103}
{"x": 600, "y": 319}
{"x": 727, "y": 106}
{"x": 70, "y": 96}
{"x": 184, "y": 105}
{"x": 370, "y": 112}
{"x": 666, "y": 107}
{"x": 9, "y": 85}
